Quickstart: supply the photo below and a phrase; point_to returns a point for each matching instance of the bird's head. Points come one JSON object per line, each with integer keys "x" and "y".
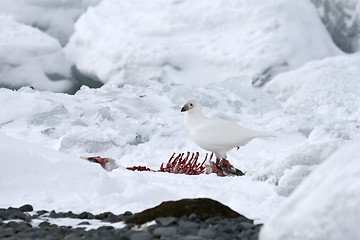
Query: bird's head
{"x": 191, "y": 105}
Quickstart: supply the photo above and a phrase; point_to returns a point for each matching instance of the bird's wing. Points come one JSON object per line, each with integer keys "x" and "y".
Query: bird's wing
{"x": 221, "y": 133}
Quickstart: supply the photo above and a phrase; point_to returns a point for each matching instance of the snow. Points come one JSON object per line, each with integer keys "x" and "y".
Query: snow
{"x": 56, "y": 18}
{"x": 322, "y": 97}
{"x": 333, "y": 83}
{"x": 169, "y": 41}
{"x": 93, "y": 223}
{"x": 53, "y": 180}
{"x": 29, "y": 57}
{"x": 325, "y": 206}
{"x": 152, "y": 57}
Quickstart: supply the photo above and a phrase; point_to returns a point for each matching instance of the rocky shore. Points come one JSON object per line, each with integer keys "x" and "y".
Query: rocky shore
{"x": 26, "y": 223}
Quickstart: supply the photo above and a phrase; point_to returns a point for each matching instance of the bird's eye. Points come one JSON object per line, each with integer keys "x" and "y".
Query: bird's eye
{"x": 191, "y": 104}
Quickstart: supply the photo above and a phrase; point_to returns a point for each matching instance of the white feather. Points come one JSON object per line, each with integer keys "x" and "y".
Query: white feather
{"x": 216, "y": 135}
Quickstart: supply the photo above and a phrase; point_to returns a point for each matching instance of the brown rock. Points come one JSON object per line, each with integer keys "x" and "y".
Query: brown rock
{"x": 204, "y": 208}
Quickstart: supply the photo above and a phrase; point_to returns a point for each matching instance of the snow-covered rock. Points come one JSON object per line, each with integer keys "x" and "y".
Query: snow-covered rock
{"x": 29, "y": 57}
{"x": 325, "y": 206}
{"x": 342, "y": 20}
{"x": 55, "y": 17}
{"x": 328, "y": 87}
{"x": 120, "y": 42}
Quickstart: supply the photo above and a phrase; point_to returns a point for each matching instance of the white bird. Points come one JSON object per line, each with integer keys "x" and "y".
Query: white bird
{"x": 216, "y": 135}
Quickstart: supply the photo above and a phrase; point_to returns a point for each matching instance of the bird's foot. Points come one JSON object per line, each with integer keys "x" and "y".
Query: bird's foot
{"x": 232, "y": 171}
{"x": 229, "y": 169}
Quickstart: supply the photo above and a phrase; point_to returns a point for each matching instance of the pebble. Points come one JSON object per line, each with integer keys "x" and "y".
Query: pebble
{"x": 16, "y": 223}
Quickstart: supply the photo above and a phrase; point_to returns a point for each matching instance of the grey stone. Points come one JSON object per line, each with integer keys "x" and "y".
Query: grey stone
{"x": 165, "y": 232}
{"x": 192, "y": 238}
{"x": 193, "y": 217}
{"x": 166, "y": 221}
{"x": 128, "y": 213}
{"x": 247, "y": 225}
{"x": 141, "y": 236}
{"x": 188, "y": 228}
{"x": 208, "y": 233}
{"x": 7, "y": 232}
{"x": 86, "y": 215}
{"x": 19, "y": 215}
{"x": 84, "y": 223}
{"x": 44, "y": 225}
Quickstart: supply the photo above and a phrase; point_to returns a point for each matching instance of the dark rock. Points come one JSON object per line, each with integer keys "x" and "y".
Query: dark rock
{"x": 204, "y": 208}
{"x": 103, "y": 216}
{"x": 193, "y": 217}
{"x": 7, "y": 232}
{"x": 21, "y": 227}
{"x": 86, "y": 215}
{"x": 113, "y": 218}
{"x": 84, "y": 223}
{"x": 4, "y": 214}
{"x": 105, "y": 228}
{"x": 26, "y": 208}
{"x": 19, "y": 215}
{"x": 41, "y": 212}
{"x": 53, "y": 214}
{"x": 128, "y": 213}
{"x": 44, "y": 224}
{"x": 70, "y": 214}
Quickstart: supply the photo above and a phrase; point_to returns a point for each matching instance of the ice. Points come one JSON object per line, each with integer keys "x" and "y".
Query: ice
{"x": 325, "y": 206}
{"x": 170, "y": 42}
{"x": 29, "y": 57}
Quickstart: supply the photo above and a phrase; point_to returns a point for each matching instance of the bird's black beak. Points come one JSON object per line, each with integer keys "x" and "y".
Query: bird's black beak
{"x": 185, "y": 108}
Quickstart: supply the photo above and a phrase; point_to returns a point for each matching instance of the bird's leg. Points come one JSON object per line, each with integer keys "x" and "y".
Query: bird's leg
{"x": 223, "y": 162}
{"x": 230, "y": 170}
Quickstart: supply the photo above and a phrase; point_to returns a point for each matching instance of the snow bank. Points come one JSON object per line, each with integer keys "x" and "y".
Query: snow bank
{"x": 56, "y": 18}
{"x": 133, "y": 42}
{"x": 325, "y": 206}
{"x": 29, "y": 57}
{"x": 342, "y": 20}
{"x": 322, "y": 99}
{"x": 327, "y": 87}
{"x": 124, "y": 123}
{"x": 49, "y": 179}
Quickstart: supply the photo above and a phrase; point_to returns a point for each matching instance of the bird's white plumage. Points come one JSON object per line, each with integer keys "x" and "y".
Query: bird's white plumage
{"x": 216, "y": 135}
